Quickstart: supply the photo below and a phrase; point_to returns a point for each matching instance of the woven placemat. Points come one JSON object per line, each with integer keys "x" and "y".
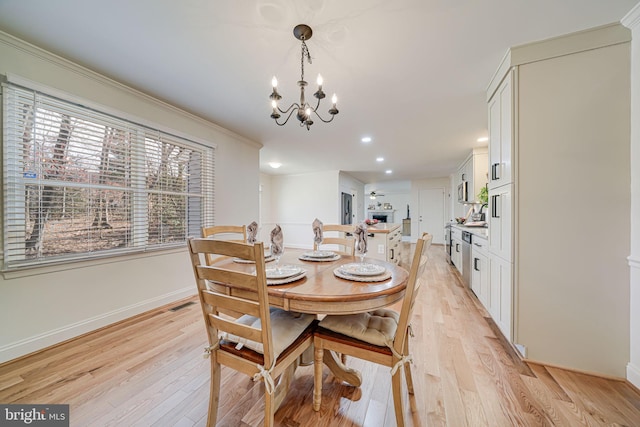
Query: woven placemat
{"x": 379, "y": 278}
{"x": 316, "y": 259}
{"x": 268, "y": 258}
{"x": 287, "y": 279}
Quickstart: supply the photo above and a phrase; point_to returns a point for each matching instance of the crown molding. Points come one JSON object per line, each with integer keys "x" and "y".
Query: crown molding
{"x": 632, "y": 19}
{"x": 580, "y": 41}
{"x": 87, "y": 73}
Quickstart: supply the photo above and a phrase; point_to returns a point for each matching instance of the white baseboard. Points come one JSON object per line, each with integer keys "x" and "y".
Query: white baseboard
{"x": 633, "y": 375}
{"x": 38, "y": 342}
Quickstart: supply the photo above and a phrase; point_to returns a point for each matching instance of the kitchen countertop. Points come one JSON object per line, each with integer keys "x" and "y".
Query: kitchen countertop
{"x": 383, "y": 227}
{"x": 482, "y": 232}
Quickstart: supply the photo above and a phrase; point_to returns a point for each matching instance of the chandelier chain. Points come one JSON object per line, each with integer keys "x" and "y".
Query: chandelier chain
{"x": 305, "y": 52}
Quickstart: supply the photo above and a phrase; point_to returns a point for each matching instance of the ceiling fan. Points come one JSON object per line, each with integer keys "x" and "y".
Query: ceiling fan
{"x": 373, "y": 195}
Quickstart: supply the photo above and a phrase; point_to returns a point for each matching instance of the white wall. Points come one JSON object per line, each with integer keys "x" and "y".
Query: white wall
{"x": 632, "y": 20}
{"x": 47, "y": 305}
{"x": 396, "y": 193}
{"x": 426, "y": 184}
{"x": 296, "y": 200}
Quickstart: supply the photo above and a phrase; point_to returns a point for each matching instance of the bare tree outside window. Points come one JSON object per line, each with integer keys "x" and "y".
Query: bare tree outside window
{"x": 85, "y": 183}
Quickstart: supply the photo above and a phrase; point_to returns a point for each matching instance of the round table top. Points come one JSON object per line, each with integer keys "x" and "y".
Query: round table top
{"x": 321, "y": 292}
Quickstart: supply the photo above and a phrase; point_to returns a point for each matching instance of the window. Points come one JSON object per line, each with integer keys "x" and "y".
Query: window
{"x": 80, "y": 183}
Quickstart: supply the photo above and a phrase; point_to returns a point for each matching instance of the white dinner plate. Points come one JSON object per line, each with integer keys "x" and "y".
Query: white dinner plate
{"x": 283, "y": 271}
{"x": 319, "y": 254}
{"x": 362, "y": 269}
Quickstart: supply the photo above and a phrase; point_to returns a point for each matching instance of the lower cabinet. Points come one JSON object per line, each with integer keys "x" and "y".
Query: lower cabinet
{"x": 386, "y": 245}
{"x": 501, "y": 298}
{"x": 480, "y": 271}
{"x": 456, "y": 248}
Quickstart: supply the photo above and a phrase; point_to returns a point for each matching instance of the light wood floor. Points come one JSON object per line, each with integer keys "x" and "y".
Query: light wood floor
{"x": 149, "y": 371}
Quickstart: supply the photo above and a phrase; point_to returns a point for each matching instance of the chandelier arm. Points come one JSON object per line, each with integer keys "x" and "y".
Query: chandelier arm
{"x": 320, "y": 117}
{"x": 288, "y": 117}
{"x": 295, "y": 104}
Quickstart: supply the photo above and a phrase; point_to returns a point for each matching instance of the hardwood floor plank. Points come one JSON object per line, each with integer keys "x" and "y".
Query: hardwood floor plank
{"x": 149, "y": 371}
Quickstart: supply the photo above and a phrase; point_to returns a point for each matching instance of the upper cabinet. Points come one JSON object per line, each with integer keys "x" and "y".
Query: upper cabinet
{"x": 471, "y": 176}
{"x": 501, "y": 133}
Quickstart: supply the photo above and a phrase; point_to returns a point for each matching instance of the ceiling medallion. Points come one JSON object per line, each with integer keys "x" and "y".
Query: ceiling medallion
{"x": 303, "y": 110}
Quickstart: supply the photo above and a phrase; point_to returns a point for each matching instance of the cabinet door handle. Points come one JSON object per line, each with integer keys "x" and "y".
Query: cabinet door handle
{"x": 370, "y": 235}
{"x": 475, "y": 264}
{"x": 494, "y": 206}
{"x": 392, "y": 253}
{"x": 457, "y": 247}
{"x": 494, "y": 171}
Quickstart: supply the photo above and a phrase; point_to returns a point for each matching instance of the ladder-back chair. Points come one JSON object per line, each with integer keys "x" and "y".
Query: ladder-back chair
{"x": 264, "y": 342}
{"x": 381, "y": 336}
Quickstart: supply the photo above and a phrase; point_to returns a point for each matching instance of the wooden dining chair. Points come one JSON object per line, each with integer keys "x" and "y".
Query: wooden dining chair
{"x": 380, "y": 336}
{"x": 345, "y": 241}
{"x": 264, "y": 343}
{"x": 234, "y": 233}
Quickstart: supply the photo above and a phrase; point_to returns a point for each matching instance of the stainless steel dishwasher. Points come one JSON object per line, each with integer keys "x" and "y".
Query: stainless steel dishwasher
{"x": 466, "y": 257}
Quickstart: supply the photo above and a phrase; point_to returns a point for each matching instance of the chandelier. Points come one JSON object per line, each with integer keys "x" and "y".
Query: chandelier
{"x": 303, "y": 109}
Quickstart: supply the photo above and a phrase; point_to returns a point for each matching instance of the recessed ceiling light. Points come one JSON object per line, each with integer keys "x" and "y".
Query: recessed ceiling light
{"x": 366, "y": 139}
{"x": 379, "y": 159}
{"x": 483, "y": 139}
{"x": 388, "y": 171}
{"x": 275, "y": 165}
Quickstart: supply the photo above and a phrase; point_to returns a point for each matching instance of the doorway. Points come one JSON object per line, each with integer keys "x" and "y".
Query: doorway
{"x": 431, "y": 213}
{"x": 347, "y": 209}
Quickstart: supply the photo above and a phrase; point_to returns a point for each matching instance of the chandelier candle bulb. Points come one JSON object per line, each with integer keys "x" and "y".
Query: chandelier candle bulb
{"x": 274, "y": 114}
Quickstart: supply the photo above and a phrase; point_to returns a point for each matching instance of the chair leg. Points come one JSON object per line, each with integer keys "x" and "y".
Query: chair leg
{"x": 269, "y": 409}
{"x": 407, "y": 368}
{"x": 214, "y": 392}
{"x": 396, "y": 385}
{"x": 317, "y": 375}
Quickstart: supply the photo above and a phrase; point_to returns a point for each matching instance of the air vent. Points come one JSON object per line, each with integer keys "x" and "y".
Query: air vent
{"x": 181, "y": 306}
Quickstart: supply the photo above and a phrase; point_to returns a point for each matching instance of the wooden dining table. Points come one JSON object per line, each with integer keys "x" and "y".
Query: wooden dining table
{"x": 321, "y": 292}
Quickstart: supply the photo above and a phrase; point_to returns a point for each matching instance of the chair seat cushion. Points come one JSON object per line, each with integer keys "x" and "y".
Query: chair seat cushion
{"x": 286, "y": 326}
{"x": 375, "y": 327}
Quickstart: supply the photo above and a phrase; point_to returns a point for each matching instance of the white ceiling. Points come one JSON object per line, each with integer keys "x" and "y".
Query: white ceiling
{"x": 411, "y": 74}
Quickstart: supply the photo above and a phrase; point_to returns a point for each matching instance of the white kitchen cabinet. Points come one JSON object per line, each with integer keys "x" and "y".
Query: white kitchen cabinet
{"x": 558, "y": 113}
{"x": 501, "y": 221}
{"x": 473, "y": 172}
{"x": 501, "y": 133}
{"x": 384, "y": 242}
{"x": 480, "y": 270}
{"x": 501, "y": 289}
{"x": 456, "y": 248}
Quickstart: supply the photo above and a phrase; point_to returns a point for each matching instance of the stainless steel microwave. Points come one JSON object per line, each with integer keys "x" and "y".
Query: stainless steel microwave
{"x": 463, "y": 192}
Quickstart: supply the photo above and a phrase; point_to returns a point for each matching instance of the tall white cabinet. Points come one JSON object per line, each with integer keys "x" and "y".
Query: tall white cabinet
{"x": 559, "y": 199}
{"x": 500, "y": 209}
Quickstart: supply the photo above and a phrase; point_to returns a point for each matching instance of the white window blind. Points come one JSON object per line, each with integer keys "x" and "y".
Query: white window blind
{"x": 80, "y": 183}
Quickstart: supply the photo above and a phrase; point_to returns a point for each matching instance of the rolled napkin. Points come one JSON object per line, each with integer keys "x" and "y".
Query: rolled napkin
{"x": 317, "y": 231}
{"x": 252, "y": 232}
{"x": 277, "y": 241}
{"x": 361, "y": 238}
